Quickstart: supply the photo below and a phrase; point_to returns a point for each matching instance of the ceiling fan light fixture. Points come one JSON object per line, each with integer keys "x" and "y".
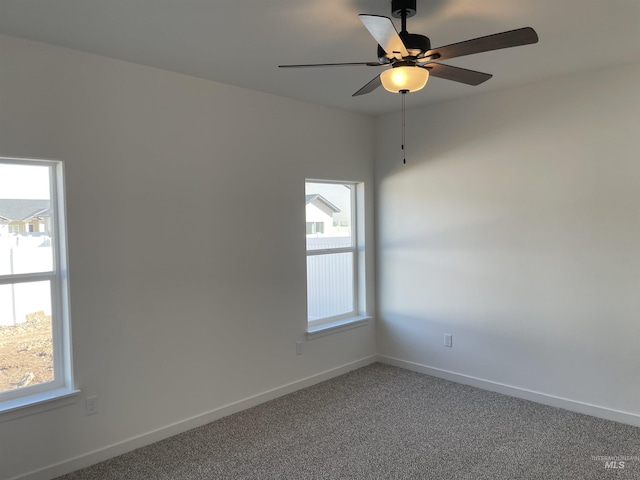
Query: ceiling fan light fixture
{"x": 404, "y": 78}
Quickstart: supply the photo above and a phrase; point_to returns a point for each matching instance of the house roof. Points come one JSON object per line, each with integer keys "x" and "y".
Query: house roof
{"x": 20, "y": 210}
{"x": 320, "y": 198}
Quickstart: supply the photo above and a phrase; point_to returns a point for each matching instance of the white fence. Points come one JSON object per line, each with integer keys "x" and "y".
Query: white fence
{"x": 329, "y": 278}
{"x": 24, "y": 254}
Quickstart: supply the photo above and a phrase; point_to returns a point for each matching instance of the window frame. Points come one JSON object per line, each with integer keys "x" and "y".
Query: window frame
{"x": 62, "y": 385}
{"x": 353, "y": 249}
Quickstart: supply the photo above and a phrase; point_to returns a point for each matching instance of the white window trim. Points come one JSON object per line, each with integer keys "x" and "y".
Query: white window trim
{"x": 15, "y": 403}
{"x": 358, "y": 317}
{"x": 337, "y": 326}
{"x": 37, "y": 402}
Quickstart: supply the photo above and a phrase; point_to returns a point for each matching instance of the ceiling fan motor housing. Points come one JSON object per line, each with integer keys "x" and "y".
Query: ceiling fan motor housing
{"x": 415, "y": 44}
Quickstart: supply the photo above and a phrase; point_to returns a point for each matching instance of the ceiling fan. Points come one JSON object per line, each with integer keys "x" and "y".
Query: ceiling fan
{"x": 412, "y": 59}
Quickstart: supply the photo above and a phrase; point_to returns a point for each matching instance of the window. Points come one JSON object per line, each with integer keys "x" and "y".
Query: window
{"x": 35, "y": 363}
{"x": 332, "y": 259}
{"x": 315, "y": 227}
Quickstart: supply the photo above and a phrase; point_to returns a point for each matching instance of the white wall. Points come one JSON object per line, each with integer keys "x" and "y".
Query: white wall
{"x": 209, "y": 312}
{"x": 515, "y": 226}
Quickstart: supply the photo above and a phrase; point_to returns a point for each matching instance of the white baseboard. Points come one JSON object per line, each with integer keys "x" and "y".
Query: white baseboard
{"x": 148, "y": 438}
{"x": 551, "y": 400}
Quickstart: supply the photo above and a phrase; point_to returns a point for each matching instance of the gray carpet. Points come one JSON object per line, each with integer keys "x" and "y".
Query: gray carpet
{"x": 382, "y": 422}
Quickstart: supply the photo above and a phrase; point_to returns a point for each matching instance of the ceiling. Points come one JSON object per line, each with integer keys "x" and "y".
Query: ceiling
{"x": 241, "y": 42}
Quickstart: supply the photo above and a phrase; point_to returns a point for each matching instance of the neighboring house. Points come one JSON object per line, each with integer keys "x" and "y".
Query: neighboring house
{"x": 320, "y": 213}
{"x": 24, "y": 253}
{"x": 24, "y": 215}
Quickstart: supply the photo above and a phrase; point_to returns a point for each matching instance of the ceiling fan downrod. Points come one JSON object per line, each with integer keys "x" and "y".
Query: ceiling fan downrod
{"x": 416, "y": 45}
{"x": 403, "y": 9}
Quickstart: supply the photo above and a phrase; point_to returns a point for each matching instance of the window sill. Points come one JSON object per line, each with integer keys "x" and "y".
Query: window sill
{"x": 36, "y": 403}
{"x": 337, "y": 326}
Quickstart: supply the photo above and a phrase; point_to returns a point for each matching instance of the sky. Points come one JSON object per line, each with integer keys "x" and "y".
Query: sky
{"x": 24, "y": 181}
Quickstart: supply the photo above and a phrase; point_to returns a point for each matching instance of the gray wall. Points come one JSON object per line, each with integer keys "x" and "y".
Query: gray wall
{"x": 515, "y": 226}
{"x": 186, "y": 294}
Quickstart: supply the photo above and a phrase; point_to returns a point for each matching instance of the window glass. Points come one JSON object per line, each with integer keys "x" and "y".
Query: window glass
{"x": 329, "y": 285}
{"x": 26, "y": 335}
{"x": 25, "y": 219}
{"x": 329, "y": 209}
{"x": 331, "y": 252}
{"x": 34, "y": 321}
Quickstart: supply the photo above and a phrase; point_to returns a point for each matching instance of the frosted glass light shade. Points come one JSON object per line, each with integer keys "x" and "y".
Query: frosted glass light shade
{"x": 404, "y": 78}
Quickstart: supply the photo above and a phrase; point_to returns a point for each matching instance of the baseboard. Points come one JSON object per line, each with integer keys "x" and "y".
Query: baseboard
{"x": 546, "y": 399}
{"x": 148, "y": 438}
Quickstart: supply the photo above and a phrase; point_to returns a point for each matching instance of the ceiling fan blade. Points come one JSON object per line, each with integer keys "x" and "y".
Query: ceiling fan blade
{"x": 369, "y": 87}
{"x": 512, "y": 38}
{"x": 385, "y": 33}
{"x": 348, "y": 64}
{"x": 457, "y": 74}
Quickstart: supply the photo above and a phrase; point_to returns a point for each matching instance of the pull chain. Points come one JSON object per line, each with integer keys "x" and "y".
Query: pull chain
{"x": 404, "y": 153}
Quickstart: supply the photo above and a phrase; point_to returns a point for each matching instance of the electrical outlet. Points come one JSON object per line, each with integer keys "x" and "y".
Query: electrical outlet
{"x": 298, "y": 348}
{"x": 448, "y": 340}
{"x": 91, "y": 405}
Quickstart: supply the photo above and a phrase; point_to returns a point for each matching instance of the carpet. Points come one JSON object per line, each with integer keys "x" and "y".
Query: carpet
{"x": 384, "y": 422}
